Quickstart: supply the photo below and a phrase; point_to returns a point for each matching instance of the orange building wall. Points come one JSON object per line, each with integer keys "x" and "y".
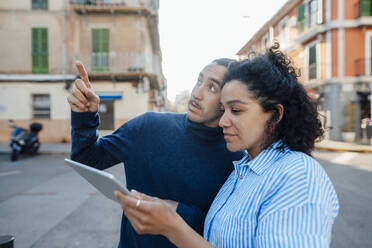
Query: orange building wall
{"x": 298, "y": 61}
{"x": 334, "y": 9}
{"x": 334, "y": 37}
{"x": 323, "y": 57}
{"x": 351, "y": 9}
{"x": 354, "y": 50}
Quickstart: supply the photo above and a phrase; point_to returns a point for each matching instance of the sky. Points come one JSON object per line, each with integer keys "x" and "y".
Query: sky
{"x": 195, "y": 32}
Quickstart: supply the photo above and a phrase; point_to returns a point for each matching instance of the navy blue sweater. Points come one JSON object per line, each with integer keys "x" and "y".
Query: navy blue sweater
{"x": 165, "y": 155}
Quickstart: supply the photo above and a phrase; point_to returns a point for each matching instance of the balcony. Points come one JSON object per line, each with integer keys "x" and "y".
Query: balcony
{"x": 361, "y": 67}
{"x": 111, "y": 6}
{"x": 119, "y": 67}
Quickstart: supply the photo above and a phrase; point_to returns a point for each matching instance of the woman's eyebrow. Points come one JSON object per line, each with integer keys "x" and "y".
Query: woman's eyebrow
{"x": 236, "y": 101}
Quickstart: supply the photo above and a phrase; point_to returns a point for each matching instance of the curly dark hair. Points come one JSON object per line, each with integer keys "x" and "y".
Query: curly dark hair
{"x": 272, "y": 79}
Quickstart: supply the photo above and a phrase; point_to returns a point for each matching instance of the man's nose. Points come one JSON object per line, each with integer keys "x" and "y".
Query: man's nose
{"x": 197, "y": 93}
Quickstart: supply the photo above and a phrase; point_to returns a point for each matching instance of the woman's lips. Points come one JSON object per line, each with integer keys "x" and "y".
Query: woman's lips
{"x": 228, "y": 136}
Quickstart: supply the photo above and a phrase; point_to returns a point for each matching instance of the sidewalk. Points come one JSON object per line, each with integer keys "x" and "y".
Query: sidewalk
{"x": 330, "y": 145}
{"x": 65, "y": 148}
{"x": 45, "y": 148}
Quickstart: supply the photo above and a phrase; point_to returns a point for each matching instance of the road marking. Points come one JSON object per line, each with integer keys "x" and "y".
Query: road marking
{"x": 344, "y": 157}
{"x": 9, "y": 173}
{"x": 36, "y": 193}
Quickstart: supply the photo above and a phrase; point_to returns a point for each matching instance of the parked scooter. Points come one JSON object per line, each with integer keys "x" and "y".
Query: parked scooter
{"x": 23, "y": 141}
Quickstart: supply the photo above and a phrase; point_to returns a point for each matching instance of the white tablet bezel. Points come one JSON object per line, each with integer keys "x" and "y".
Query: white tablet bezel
{"x": 103, "y": 181}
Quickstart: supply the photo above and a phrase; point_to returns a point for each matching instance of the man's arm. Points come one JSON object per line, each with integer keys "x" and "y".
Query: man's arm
{"x": 86, "y": 147}
{"x": 193, "y": 216}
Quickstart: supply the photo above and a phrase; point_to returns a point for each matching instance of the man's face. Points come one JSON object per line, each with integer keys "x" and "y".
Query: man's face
{"x": 203, "y": 106}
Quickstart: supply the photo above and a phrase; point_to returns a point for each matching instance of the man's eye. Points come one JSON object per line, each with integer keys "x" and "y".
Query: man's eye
{"x": 222, "y": 110}
{"x": 235, "y": 110}
{"x": 212, "y": 88}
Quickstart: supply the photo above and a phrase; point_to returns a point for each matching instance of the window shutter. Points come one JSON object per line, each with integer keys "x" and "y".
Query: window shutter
{"x": 35, "y": 49}
{"x": 95, "y": 40}
{"x": 100, "y": 49}
{"x": 365, "y": 7}
{"x": 320, "y": 12}
{"x": 40, "y": 50}
{"x": 105, "y": 40}
{"x": 44, "y": 50}
{"x": 301, "y": 18}
{"x": 301, "y": 12}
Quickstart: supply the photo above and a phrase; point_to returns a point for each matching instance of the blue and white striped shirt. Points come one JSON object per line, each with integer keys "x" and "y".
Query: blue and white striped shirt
{"x": 279, "y": 199}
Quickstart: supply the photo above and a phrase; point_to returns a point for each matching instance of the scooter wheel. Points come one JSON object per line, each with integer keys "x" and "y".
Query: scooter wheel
{"x": 14, "y": 156}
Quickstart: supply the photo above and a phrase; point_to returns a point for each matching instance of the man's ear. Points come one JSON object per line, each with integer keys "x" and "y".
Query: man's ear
{"x": 280, "y": 110}
{"x": 278, "y": 114}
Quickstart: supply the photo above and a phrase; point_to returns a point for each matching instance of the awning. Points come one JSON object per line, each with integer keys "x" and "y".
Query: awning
{"x": 110, "y": 95}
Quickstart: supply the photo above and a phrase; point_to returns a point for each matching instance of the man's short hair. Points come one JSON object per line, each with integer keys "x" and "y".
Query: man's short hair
{"x": 225, "y": 62}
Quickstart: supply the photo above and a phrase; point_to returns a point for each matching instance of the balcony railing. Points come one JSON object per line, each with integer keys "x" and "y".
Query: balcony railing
{"x": 115, "y": 63}
{"x": 97, "y": 5}
{"x": 98, "y": 2}
{"x": 360, "y": 67}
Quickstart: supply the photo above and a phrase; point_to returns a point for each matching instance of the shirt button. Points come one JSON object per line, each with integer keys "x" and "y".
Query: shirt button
{"x": 241, "y": 177}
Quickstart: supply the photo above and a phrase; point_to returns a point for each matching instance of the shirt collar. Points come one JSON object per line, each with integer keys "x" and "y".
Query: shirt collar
{"x": 263, "y": 160}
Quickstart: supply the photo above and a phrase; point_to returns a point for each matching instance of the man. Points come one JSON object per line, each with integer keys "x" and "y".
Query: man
{"x": 171, "y": 156}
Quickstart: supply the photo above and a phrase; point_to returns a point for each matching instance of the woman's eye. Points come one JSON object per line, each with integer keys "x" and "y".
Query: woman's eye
{"x": 235, "y": 110}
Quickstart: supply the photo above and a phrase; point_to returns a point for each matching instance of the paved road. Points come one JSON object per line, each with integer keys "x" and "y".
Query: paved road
{"x": 351, "y": 174}
{"x": 45, "y": 204}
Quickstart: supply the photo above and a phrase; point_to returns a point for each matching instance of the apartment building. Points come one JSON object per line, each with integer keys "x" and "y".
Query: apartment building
{"x": 330, "y": 42}
{"x": 118, "y": 42}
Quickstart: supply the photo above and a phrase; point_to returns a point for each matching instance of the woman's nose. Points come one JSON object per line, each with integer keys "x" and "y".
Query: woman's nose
{"x": 224, "y": 121}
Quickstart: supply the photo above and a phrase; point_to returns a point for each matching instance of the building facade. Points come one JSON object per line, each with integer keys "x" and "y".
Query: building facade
{"x": 330, "y": 41}
{"x": 117, "y": 41}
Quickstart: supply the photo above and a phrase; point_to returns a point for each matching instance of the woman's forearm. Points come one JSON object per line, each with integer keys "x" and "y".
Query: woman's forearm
{"x": 183, "y": 236}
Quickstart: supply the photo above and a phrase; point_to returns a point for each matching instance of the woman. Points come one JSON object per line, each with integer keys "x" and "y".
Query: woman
{"x": 278, "y": 195}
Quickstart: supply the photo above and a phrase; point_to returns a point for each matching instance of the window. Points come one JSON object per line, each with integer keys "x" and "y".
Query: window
{"x": 312, "y": 63}
{"x": 284, "y": 33}
{"x": 39, "y": 4}
{"x": 265, "y": 42}
{"x": 40, "y": 50}
{"x": 100, "y": 49}
{"x": 309, "y": 14}
{"x": 312, "y": 13}
{"x": 365, "y": 8}
{"x": 301, "y": 18}
{"x": 41, "y": 106}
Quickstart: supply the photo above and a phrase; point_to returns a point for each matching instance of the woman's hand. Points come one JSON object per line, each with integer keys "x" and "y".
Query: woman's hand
{"x": 149, "y": 215}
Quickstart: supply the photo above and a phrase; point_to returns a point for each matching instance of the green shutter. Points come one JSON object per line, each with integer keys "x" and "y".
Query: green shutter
{"x": 100, "y": 49}
{"x": 40, "y": 4}
{"x": 301, "y": 17}
{"x": 40, "y": 50}
{"x": 365, "y": 7}
{"x": 301, "y": 12}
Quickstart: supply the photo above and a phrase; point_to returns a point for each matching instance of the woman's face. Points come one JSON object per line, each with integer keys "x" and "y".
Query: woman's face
{"x": 243, "y": 121}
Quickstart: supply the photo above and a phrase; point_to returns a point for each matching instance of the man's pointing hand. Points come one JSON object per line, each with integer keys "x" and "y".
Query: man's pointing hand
{"x": 83, "y": 98}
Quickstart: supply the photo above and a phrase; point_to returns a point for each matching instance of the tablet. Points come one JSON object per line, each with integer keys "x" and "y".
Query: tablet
{"x": 105, "y": 182}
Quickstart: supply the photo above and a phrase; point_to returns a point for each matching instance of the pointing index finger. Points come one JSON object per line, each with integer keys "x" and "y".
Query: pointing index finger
{"x": 83, "y": 73}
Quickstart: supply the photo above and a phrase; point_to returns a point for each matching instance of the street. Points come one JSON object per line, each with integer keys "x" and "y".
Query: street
{"x": 43, "y": 203}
